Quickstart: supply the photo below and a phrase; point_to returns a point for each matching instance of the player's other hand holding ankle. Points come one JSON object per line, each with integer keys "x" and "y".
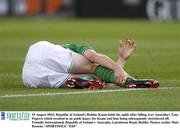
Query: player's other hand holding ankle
{"x": 120, "y": 75}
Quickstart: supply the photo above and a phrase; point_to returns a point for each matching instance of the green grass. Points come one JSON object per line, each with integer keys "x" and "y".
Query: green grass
{"x": 156, "y": 57}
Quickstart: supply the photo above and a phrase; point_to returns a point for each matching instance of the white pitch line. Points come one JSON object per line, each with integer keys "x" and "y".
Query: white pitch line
{"x": 80, "y": 92}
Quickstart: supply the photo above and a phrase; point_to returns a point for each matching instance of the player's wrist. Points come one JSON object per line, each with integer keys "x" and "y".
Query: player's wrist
{"x": 117, "y": 67}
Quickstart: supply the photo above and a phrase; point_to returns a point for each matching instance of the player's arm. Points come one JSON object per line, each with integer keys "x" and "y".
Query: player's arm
{"x": 119, "y": 73}
{"x": 93, "y": 56}
{"x": 105, "y": 61}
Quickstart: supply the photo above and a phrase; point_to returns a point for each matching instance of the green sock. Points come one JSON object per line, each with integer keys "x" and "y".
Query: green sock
{"x": 105, "y": 74}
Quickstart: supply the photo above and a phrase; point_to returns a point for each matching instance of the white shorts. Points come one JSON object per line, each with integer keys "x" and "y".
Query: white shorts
{"x": 46, "y": 65}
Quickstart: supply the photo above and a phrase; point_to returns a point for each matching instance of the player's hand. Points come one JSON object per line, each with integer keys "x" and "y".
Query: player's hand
{"x": 120, "y": 76}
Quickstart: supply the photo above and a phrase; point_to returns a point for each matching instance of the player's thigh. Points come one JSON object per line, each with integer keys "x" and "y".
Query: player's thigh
{"x": 82, "y": 65}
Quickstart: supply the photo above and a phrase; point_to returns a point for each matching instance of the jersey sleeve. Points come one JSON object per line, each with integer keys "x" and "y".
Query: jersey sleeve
{"x": 77, "y": 48}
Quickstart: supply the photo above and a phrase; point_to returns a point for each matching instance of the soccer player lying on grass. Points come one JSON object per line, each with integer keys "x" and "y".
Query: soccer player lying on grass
{"x": 78, "y": 66}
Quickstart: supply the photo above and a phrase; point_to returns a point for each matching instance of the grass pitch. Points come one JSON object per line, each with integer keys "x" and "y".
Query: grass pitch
{"x": 157, "y": 57}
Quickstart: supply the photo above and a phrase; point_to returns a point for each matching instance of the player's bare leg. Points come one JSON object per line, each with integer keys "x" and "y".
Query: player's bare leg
{"x": 126, "y": 49}
{"x": 83, "y": 74}
{"x": 82, "y": 65}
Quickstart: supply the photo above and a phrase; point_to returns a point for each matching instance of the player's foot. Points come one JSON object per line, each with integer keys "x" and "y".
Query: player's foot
{"x": 126, "y": 48}
{"x": 134, "y": 83}
{"x": 84, "y": 81}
